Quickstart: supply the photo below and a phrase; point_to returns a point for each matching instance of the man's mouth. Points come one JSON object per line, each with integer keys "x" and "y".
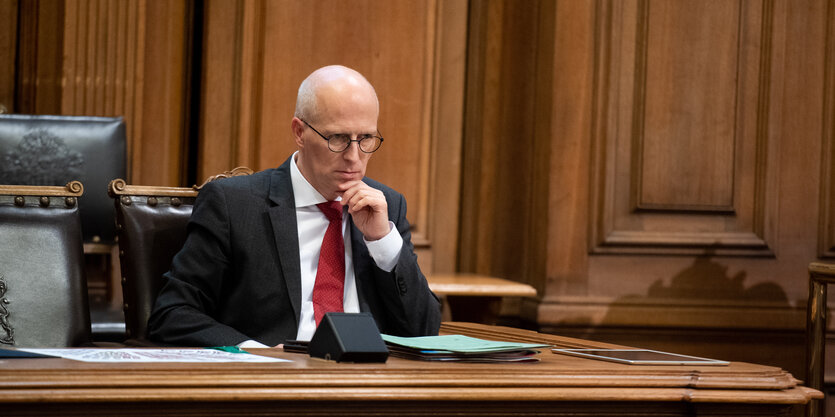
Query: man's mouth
{"x": 347, "y": 174}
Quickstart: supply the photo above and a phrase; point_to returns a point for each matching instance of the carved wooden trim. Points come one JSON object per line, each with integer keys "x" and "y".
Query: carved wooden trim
{"x": 826, "y": 232}
{"x": 72, "y": 189}
{"x": 638, "y": 131}
{"x": 7, "y": 328}
{"x": 119, "y": 187}
{"x": 235, "y": 172}
{"x": 620, "y": 226}
{"x": 681, "y": 313}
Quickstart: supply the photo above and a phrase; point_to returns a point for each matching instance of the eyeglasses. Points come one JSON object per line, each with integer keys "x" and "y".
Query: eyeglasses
{"x": 339, "y": 142}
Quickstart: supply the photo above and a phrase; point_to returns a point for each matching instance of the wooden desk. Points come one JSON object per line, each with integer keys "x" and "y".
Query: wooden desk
{"x": 473, "y": 297}
{"x": 557, "y": 386}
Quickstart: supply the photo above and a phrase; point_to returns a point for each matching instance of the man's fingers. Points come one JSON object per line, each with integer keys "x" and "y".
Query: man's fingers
{"x": 363, "y": 199}
{"x": 358, "y": 203}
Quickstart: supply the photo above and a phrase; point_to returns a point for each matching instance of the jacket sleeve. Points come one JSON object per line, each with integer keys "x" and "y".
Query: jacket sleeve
{"x": 413, "y": 310}
{"x": 184, "y": 309}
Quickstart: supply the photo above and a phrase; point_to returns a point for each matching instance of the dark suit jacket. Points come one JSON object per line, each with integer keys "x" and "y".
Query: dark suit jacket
{"x": 238, "y": 276}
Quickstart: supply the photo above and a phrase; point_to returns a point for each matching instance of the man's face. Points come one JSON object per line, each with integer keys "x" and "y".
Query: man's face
{"x": 348, "y": 110}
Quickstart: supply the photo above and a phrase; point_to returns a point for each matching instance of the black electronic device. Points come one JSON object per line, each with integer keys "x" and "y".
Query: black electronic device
{"x": 348, "y": 337}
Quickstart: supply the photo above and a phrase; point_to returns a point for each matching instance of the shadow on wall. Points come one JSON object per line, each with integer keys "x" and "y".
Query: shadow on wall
{"x": 704, "y": 282}
{"x": 719, "y": 334}
{"x": 707, "y": 279}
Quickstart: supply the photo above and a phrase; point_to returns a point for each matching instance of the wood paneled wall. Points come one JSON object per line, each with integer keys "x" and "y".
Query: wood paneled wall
{"x": 128, "y": 58}
{"x": 8, "y": 50}
{"x": 258, "y": 52}
{"x": 506, "y": 141}
{"x": 678, "y": 146}
{"x": 108, "y": 58}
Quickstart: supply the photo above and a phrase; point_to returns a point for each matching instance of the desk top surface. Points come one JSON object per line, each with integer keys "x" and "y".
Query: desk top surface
{"x": 555, "y": 378}
{"x": 478, "y": 285}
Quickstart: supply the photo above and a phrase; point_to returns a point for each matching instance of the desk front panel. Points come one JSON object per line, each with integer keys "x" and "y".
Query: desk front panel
{"x": 558, "y": 385}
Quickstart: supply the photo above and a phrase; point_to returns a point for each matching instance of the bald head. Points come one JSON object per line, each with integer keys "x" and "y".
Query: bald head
{"x": 328, "y": 89}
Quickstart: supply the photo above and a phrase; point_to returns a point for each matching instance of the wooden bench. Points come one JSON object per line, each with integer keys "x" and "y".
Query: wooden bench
{"x": 475, "y": 298}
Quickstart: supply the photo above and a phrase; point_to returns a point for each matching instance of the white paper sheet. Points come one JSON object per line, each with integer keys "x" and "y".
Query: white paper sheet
{"x": 153, "y": 355}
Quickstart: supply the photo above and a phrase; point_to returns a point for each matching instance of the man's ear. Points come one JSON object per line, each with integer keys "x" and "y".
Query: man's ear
{"x": 297, "y": 126}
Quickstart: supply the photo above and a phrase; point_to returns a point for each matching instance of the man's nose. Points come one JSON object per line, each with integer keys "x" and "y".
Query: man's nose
{"x": 352, "y": 152}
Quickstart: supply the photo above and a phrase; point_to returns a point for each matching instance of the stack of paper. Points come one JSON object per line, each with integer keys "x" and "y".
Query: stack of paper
{"x": 461, "y": 348}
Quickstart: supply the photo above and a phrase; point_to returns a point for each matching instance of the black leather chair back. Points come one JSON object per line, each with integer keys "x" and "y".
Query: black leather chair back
{"x": 151, "y": 224}
{"x": 43, "y": 291}
{"x": 54, "y": 150}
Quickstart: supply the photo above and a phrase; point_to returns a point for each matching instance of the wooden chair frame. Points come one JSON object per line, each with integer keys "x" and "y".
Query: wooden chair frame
{"x": 820, "y": 275}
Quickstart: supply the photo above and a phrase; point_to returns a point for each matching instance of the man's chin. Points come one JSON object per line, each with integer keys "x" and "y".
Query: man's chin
{"x": 344, "y": 185}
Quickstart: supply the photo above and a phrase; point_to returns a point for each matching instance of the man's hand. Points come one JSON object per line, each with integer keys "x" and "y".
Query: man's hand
{"x": 369, "y": 209}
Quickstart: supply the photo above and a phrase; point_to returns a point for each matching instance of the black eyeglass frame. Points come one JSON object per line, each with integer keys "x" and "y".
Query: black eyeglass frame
{"x": 347, "y": 144}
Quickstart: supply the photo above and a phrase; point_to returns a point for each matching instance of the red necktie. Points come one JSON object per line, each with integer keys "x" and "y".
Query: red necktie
{"x": 330, "y": 275}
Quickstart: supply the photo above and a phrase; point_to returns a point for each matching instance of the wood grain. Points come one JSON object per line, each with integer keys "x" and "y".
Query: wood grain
{"x": 554, "y": 385}
{"x": 8, "y": 48}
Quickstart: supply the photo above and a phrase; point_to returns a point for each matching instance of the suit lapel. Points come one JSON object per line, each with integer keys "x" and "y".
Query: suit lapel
{"x": 283, "y": 219}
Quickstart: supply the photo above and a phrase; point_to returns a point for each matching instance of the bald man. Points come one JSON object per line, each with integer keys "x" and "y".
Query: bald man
{"x": 250, "y": 266}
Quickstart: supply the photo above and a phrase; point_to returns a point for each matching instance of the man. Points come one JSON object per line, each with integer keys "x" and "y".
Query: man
{"x": 250, "y": 272}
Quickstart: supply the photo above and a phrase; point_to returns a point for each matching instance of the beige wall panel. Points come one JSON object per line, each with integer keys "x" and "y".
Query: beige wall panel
{"x": 683, "y": 156}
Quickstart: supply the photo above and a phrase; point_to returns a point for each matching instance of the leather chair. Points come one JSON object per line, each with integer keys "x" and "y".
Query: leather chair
{"x": 43, "y": 291}
{"x": 151, "y": 225}
{"x": 54, "y": 150}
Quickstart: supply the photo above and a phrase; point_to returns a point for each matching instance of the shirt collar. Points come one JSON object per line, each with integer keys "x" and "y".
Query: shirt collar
{"x": 304, "y": 193}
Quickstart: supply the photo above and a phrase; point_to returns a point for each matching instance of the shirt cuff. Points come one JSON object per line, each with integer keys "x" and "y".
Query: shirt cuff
{"x": 386, "y": 250}
{"x": 251, "y": 344}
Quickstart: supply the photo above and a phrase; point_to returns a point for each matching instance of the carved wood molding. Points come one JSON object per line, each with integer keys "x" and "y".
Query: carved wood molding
{"x": 669, "y": 313}
{"x": 234, "y": 172}
{"x": 826, "y": 232}
{"x": 72, "y": 189}
{"x": 119, "y": 187}
{"x": 734, "y": 214}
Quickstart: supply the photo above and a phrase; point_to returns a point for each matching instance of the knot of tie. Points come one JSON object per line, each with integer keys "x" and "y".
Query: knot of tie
{"x": 332, "y": 210}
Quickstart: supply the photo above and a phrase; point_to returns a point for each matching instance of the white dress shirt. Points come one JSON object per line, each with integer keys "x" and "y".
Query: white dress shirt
{"x": 312, "y": 224}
